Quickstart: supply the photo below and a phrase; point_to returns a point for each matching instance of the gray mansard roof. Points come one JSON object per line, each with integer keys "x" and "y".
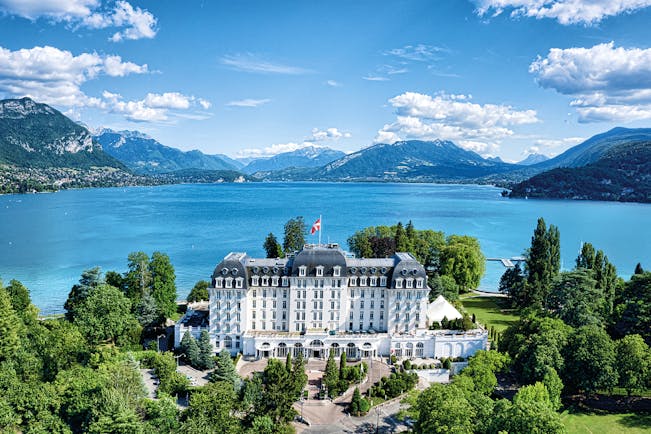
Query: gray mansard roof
{"x": 240, "y": 265}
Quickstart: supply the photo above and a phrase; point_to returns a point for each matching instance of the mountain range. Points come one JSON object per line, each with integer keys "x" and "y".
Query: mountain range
{"x": 42, "y": 148}
{"x": 309, "y": 156}
{"x": 145, "y": 155}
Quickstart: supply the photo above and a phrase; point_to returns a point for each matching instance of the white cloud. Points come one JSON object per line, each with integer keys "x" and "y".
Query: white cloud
{"x": 608, "y": 83}
{"x": 135, "y": 23}
{"x": 55, "y": 76}
{"x": 558, "y": 143}
{"x": 153, "y": 107}
{"x": 374, "y": 78}
{"x": 248, "y": 102}
{"x": 417, "y": 53}
{"x": 564, "y": 11}
{"x": 60, "y": 10}
{"x": 452, "y": 117}
{"x": 204, "y": 103}
{"x": 333, "y": 83}
{"x": 249, "y": 62}
{"x": 328, "y": 134}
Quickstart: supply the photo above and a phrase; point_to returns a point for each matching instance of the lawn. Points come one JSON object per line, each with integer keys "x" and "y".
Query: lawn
{"x": 490, "y": 311}
{"x": 593, "y": 423}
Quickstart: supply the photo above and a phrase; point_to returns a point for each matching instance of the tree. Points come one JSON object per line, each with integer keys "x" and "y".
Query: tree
{"x": 639, "y": 269}
{"x": 199, "y": 292}
{"x": 443, "y": 285}
{"x": 358, "y": 405}
{"x": 535, "y": 344}
{"x": 443, "y": 409}
{"x": 554, "y": 386}
{"x": 105, "y": 315}
{"x": 542, "y": 263}
{"x": 272, "y": 246}
{"x": 633, "y": 363}
{"x": 279, "y": 392}
{"x": 19, "y": 296}
{"x": 635, "y": 312}
{"x": 190, "y": 348}
{"x": 400, "y": 239}
{"x": 211, "y": 411}
{"x": 205, "y": 360}
{"x": 530, "y": 413}
{"x": 575, "y": 299}
{"x": 9, "y": 326}
{"x": 342, "y": 365}
{"x": 331, "y": 376}
{"x": 89, "y": 280}
{"x": 295, "y": 231}
{"x": 138, "y": 278}
{"x": 590, "y": 360}
{"x": 461, "y": 258}
{"x": 225, "y": 370}
{"x": 586, "y": 258}
{"x": 512, "y": 283}
{"x": 163, "y": 287}
{"x": 147, "y": 311}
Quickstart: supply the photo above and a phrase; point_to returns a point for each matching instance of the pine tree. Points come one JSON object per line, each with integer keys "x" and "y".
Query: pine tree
{"x": 295, "y": 231}
{"x": 273, "y": 247}
{"x": 342, "y": 366}
{"x": 331, "y": 376}
{"x": 288, "y": 362}
{"x": 192, "y": 352}
{"x": 542, "y": 264}
{"x": 400, "y": 238}
{"x": 639, "y": 269}
{"x": 147, "y": 311}
{"x": 206, "y": 360}
{"x": 586, "y": 258}
{"x": 163, "y": 287}
{"x": 225, "y": 369}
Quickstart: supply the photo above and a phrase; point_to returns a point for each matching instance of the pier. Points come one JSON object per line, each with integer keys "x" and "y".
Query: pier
{"x": 508, "y": 262}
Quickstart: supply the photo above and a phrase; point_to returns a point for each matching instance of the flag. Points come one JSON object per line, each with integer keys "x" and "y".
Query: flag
{"x": 316, "y": 226}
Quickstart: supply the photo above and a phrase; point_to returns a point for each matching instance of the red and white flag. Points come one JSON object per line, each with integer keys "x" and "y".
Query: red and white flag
{"x": 316, "y": 226}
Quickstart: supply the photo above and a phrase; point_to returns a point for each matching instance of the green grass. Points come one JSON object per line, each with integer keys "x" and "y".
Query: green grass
{"x": 491, "y": 311}
{"x": 595, "y": 423}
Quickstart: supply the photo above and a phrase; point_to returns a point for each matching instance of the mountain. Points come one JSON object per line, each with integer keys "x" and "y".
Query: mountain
{"x": 412, "y": 160}
{"x": 622, "y": 173}
{"x": 595, "y": 147}
{"x": 533, "y": 159}
{"x": 38, "y": 136}
{"x": 495, "y": 159}
{"x": 145, "y": 155}
{"x": 309, "y": 156}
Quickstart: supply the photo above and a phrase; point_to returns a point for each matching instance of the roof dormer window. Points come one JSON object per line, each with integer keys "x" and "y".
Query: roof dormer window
{"x": 302, "y": 271}
{"x": 398, "y": 283}
{"x": 319, "y": 271}
{"x": 419, "y": 282}
{"x": 255, "y": 281}
{"x": 410, "y": 283}
{"x": 239, "y": 282}
{"x": 336, "y": 271}
{"x": 219, "y": 282}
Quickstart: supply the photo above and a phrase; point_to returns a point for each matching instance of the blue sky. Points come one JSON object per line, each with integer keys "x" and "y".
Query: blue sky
{"x": 501, "y": 77}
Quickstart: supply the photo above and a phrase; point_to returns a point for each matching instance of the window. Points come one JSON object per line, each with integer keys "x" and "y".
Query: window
{"x": 361, "y": 315}
{"x": 407, "y": 316}
{"x": 362, "y": 293}
{"x": 352, "y": 304}
{"x": 315, "y": 304}
{"x": 410, "y": 283}
{"x": 332, "y": 305}
{"x": 285, "y": 281}
{"x": 397, "y": 316}
{"x": 397, "y": 305}
{"x": 229, "y": 282}
{"x": 264, "y": 292}
{"x": 319, "y": 271}
{"x": 419, "y": 283}
{"x": 361, "y": 304}
{"x": 253, "y": 314}
{"x": 372, "y": 304}
{"x": 219, "y": 283}
{"x": 302, "y": 271}
{"x": 353, "y": 281}
{"x": 298, "y": 316}
{"x": 399, "y": 283}
{"x": 255, "y": 292}
{"x": 381, "y": 315}
{"x": 336, "y": 271}
{"x": 316, "y": 294}
{"x": 361, "y": 326}
{"x": 239, "y": 282}
{"x": 417, "y": 316}
{"x": 383, "y": 281}
{"x": 381, "y": 304}
{"x": 273, "y": 304}
{"x": 362, "y": 281}
{"x": 371, "y": 315}
{"x": 332, "y": 316}
{"x": 332, "y": 294}
{"x": 255, "y": 280}
{"x": 351, "y": 315}
{"x": 274, "y": 280}
{"x": 373, "y": 281}
{"x": 253, "y": 325}
{"x": 253, "y": 303}
{"x": 284, "y": 304}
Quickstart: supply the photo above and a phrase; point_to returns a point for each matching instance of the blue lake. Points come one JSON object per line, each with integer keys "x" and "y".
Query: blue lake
{"x": 47, "y": 240}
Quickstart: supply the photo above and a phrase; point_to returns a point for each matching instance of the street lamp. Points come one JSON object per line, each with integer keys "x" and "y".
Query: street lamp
{"x": 177, "y": 359}
{"x": 157, "y": 342}
{"x": 377, "y": 421}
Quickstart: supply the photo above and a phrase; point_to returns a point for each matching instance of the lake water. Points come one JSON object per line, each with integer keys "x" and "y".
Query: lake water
{"x": 47, "y": 240}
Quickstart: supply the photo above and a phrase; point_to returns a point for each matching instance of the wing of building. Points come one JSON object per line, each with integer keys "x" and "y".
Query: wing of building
{"x": 323, "y": 300}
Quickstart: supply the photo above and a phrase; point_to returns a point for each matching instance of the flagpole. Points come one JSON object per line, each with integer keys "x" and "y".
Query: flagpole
{"x": 320, "y": 229}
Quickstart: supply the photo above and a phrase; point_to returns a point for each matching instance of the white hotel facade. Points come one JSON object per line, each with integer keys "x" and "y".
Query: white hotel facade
{"x": 323, "y": 300}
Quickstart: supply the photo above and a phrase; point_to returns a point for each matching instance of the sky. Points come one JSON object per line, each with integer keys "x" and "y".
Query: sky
{"x": 254, "y": 78}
